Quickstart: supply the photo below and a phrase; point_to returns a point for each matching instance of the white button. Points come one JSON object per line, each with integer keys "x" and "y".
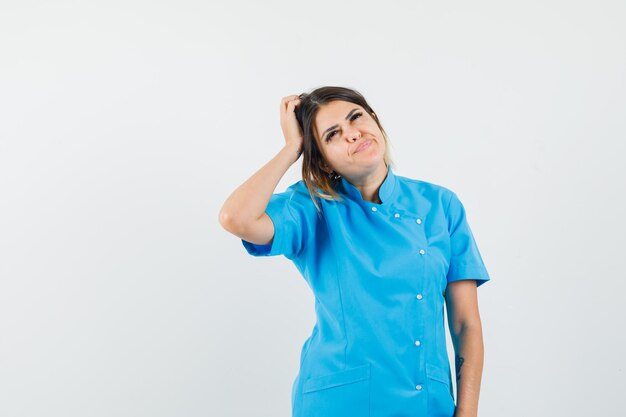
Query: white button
{"x": 418, "y": 296}
{"x": 374, "y": 209}
{"x": 418, "y": 387}
{"x": 422, "y": 251}
{"x": 417, "y": 343}
{"x": 418, "y": 221}
{"x": 396, "y": 215}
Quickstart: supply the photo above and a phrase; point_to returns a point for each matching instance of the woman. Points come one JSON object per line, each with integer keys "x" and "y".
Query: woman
{"x": 382, "y": 253}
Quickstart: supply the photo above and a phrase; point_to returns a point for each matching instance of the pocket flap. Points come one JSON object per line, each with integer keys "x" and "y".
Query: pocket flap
{"x": 346, "y": 376}
{"x": 437, "y": 373}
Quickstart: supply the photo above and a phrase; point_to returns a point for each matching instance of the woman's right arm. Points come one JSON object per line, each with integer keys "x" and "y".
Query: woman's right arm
{"x": 243, "y": 213}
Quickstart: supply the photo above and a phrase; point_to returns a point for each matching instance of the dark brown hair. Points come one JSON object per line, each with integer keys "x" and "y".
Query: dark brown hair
{"x": 319, "y": 182}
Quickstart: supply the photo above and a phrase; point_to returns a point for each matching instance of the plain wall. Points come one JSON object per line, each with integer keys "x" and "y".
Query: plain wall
{"x": 124, "y": 126}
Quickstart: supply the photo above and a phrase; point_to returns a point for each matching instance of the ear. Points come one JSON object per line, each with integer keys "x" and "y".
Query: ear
{"x": 324, "y": 166}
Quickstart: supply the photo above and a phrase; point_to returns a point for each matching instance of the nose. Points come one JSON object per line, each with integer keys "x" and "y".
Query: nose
{"x": 352, "y": 134}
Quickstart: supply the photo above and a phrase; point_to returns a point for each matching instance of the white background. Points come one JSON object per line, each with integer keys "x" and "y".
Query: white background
{"x": 124, "y": 125}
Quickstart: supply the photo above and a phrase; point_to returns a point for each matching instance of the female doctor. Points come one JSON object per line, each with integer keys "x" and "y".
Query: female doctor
{"x": 382, "y": 253}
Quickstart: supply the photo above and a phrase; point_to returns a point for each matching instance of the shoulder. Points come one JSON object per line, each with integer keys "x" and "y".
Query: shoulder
{"x": 298, "y": 192}
{"x": 428, "y": 190}
{"x": 296, "y": 197}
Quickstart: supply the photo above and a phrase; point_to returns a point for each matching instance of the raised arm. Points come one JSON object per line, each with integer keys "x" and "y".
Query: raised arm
{"x": 243, "y": 212}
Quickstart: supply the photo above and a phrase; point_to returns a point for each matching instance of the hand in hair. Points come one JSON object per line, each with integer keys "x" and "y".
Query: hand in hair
{"x": 289, "y": 123}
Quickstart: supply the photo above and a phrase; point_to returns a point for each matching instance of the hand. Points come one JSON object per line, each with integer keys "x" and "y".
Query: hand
{"x": 289, "y": 124}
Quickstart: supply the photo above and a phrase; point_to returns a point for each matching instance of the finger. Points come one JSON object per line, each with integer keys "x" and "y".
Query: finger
{"x": 285, "y": 102}
{"x": 289, "y": 98}
{"x": 291, "y": 105}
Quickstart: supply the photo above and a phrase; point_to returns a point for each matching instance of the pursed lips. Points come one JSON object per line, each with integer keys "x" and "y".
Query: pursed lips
{"x": 362, "y": 145}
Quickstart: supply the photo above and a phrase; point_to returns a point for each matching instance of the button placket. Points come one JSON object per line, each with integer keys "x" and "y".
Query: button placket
{"x": 423, "y": 239}
{"x": 417, "y": 342}
{"x": 422, "y": 247}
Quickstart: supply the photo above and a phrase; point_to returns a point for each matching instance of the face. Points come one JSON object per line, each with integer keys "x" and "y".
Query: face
{"x": 349, "y": 138}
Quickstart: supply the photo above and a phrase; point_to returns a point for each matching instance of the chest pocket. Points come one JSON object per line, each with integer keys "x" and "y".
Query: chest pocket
{"x": 341, "y": 394}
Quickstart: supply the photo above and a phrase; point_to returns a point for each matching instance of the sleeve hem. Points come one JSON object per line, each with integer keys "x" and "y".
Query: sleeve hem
{"x": 479, "y": 281}
{"x": 276, "y": 247}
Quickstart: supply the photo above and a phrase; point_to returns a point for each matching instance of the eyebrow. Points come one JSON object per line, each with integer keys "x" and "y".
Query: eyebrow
{"x": 334, "y": 126}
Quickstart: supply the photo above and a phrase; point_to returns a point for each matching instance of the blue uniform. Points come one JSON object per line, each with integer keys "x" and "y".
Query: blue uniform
{"x": 379, "y": 274}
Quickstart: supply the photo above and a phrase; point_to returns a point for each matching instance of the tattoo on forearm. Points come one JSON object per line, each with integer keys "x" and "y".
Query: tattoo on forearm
{"x": 458, "y": 362}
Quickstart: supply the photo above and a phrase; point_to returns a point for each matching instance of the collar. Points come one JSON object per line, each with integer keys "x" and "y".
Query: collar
{"x": 384, "y": 192}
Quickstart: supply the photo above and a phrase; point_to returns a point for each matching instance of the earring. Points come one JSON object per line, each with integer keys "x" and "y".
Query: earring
{"x": 333, "y": 175}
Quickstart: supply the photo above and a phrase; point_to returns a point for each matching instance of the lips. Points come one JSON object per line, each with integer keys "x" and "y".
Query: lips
{"x": 363, "y": 145}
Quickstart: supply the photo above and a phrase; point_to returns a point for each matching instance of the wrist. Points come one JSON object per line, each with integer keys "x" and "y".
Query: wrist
{"x": 293, "y": 151}
{"x": 459, "y": 412}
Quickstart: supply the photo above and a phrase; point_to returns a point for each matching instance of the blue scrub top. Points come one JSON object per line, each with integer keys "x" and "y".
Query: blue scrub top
{"x": 379, "y": 274}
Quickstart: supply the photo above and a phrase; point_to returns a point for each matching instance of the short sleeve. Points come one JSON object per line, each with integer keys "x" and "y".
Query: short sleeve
{"x": 293, "y": 214}
{"x": 465, "y": 259}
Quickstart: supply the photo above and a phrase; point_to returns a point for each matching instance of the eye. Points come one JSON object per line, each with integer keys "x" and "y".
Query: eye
{"x": 330, "y": 135}
{"x": 356, "y": 116}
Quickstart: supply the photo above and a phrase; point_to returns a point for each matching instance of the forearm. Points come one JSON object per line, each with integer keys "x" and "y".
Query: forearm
{"x": 249, "y": 201}
{"x": 469, "y": 353}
